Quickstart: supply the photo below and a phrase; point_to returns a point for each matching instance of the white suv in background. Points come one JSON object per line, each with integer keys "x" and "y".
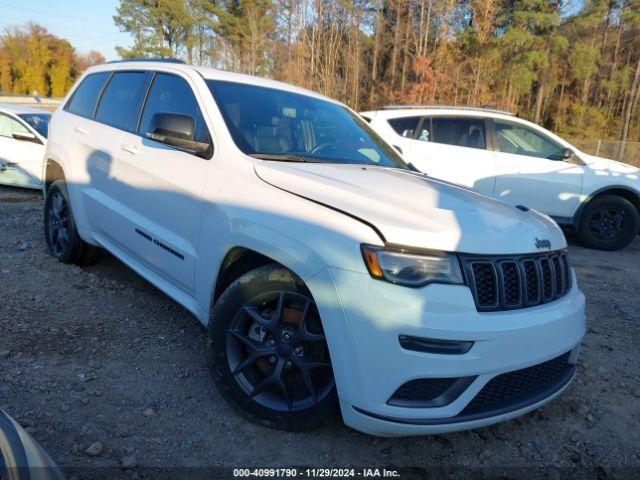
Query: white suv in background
{"x": 521, "y": 163}
{"x": 329, "y": 274}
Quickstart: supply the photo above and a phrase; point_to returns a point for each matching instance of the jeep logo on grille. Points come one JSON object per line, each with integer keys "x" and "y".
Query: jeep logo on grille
{"x": 543, "y": 243}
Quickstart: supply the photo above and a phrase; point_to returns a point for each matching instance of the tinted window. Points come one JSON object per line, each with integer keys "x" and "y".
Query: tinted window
{"x": 424, "y": 132}
{"x": 85, "y": 97}
{"x": 405, "y": 127}
{"x": 39, "y": 122}
{"x": 521, "y": 140}
{"x": 463, "y": 132}
{"x": 119, "y": 97}
{"x": 9, "y": 126}
{"x": 276, "y": 124}
{"x": 172, "y": 94}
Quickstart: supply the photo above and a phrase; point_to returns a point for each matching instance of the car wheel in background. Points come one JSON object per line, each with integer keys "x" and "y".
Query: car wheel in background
{"x": 268, "y": 352}
{"x": 60, "y": 231}
{"x": 608, "y": 222}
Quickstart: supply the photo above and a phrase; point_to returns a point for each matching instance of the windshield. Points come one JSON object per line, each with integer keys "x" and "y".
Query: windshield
{"x": 279, "y": 125}
{"x": 39, "y": 121}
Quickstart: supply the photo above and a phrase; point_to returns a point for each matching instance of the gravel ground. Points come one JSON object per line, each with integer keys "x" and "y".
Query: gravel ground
{"x": 106, "y": 371}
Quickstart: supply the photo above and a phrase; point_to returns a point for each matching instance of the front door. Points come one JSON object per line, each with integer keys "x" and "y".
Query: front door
{"x": 161, "y": 187}
{"x": 532, "y": 173}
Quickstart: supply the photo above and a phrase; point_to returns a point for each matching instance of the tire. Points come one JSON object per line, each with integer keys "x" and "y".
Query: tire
{"x": 608, "y": 222}
{"x": 61, "y": 234}
{"x": 264, "y": 335}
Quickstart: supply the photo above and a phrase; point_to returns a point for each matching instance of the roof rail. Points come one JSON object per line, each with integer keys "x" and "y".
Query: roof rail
{"x": 457, "y": 107}
{"x": 163, "y": 60}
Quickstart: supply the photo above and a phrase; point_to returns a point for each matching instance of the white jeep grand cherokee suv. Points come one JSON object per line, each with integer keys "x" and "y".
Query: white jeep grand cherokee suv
{"x": 329, "y": 274}
{"x": 521, "y": 163}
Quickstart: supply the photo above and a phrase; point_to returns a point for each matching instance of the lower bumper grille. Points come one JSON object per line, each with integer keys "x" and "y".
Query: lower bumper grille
{"x": 503, "y": 394}
{"x": 518, "y": 386}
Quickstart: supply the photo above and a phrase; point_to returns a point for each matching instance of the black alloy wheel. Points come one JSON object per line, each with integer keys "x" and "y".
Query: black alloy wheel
{"x": 57, "y": 218}
{"x": 269, "y": 354}
{"x": 608, "y": 222}
{"x": 61, "y": 234}
{"x": 277, "y": 352}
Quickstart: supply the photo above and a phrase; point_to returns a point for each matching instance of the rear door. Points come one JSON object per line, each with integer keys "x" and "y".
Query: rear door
{"x": 161, "y": 186}
{"x": 456, "y": 149}
{"x": 532, "y": 172}
{"x": 89, "y": 152}
{"x": 20, "y": 159}
{"x": 96, "y": 134}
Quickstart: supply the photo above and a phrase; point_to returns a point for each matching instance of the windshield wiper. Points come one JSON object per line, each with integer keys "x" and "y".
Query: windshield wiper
{"x": 284, "y": 157}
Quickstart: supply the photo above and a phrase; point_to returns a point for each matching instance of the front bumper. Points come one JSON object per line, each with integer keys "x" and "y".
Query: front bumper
{"x": 363, "y": 319}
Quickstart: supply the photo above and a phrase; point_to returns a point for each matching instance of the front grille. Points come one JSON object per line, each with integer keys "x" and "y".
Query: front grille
{"x": 520, "y": 385}
{"x": 507, "y": 283}
{"x": 487, "y": 283}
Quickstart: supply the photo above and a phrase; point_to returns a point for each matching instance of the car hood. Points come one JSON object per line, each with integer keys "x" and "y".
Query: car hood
{"x": 606, "y": 166}
{"x": 411, "y": 209}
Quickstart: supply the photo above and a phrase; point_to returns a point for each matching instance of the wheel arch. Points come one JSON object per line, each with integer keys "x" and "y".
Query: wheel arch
{"x": 53, "y": 171}
{"x": 620, "y": 190}
{"x": 237, "y": 262}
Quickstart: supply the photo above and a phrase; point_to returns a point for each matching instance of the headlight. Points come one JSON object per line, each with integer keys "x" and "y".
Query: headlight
{"x": 411, "y": 269}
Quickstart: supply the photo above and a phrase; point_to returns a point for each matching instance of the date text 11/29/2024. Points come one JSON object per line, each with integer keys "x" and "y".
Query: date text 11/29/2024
{"x": 316, "y": 472}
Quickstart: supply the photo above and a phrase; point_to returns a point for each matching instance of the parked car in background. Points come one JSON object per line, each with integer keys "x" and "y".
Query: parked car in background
{"x": 521, "y": 163}
{"x": 331, "y": 276}
{"x": 23, "y": 136}
{"x": 21, "y": 457}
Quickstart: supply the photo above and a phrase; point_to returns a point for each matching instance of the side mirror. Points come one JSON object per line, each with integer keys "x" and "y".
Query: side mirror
{"x": 25, "y": 137}
{"x": 569, "y": 156}
{"x": 176, "y": 130}
{"x": 566, "y": 153}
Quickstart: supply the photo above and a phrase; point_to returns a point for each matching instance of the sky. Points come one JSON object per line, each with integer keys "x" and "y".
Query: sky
{"x": 86, "y": 24}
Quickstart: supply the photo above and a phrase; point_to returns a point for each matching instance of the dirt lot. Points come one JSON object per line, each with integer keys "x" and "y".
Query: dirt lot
{"x": 98, "y": 355}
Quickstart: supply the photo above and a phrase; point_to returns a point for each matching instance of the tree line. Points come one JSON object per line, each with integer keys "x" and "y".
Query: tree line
{"x": 34, "y": 60}
{"x": 570, "y": 65}
{"x": 573, "y": 66}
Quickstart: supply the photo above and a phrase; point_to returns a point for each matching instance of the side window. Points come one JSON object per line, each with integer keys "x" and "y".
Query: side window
{"x": 172, "y": 94}
{"x": 9, "y": 126}
{"x": 119, "y": 98}
{"x": 405, "y": 126}
{"x": 84, "y": 99}
{"x": 460, "y": 131}
{"x": 520, "y": 140}
{"x": 424, "y": 132}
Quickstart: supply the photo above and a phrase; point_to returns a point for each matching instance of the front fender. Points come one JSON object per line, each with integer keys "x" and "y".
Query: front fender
{"x": 299, "y": 234}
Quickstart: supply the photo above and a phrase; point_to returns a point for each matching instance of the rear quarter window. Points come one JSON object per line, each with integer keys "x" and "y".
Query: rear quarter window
{"x": 405, "y": 126}
{"x": 83, "y": 100}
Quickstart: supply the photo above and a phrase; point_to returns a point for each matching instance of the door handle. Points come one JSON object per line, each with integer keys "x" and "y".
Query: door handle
{"x": 80, "y": 130}
{"x": 132, "y": 149}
